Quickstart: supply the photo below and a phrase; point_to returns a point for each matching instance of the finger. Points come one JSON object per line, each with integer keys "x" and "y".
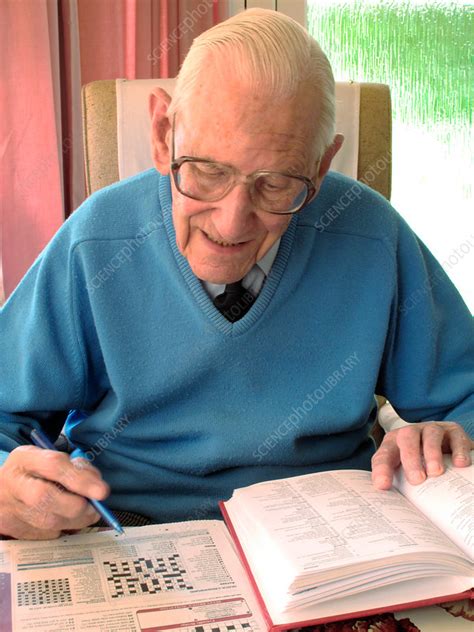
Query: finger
{"x": 80, "y": 478}
{"x": 41, "y": 525}
{"x": 461, "y": 446}
{"x": 36, "y": 508}
{"x": 384, "y": 462}
{"x": 12, "y": 526}
{"x": 53, "y": 521}
{"x": 47, "y": 506}
{"x": 432, "y": 441}
{"x": 409, "y": 443}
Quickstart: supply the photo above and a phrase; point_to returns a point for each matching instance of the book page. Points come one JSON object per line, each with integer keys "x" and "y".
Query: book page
{"x": 331, "y": 519}
{"x": 181, "y": 577}
{"x": 447, "y": 500}
{"x": 332, "y": 527}
{"x": 380, "y": 599}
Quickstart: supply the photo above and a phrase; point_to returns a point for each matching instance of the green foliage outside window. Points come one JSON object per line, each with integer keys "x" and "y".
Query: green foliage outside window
{"x": 424, "y": 51}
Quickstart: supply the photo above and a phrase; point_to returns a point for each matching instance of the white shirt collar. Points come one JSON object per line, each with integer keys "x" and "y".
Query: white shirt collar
{"x": 254, "y": 279}
{"x": 267, "y": 260}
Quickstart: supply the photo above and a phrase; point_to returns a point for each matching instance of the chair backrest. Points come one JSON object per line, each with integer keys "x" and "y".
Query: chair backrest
{"x": 102, "y": 141}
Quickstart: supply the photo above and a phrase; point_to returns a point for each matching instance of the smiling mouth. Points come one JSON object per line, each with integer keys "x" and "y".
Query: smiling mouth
{"x": 219, "y": 242}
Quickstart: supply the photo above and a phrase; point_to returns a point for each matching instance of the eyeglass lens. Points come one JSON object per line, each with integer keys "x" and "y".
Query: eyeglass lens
{"x": 275, "y": 192}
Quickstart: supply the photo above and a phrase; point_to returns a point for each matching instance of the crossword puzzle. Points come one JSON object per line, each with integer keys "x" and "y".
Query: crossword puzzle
{"x": 146, "y": 576}
{"x": 43, "y": 592}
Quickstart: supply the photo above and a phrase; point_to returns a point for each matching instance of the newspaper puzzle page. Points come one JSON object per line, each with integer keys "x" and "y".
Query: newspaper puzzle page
{"x": 184, "y": 577}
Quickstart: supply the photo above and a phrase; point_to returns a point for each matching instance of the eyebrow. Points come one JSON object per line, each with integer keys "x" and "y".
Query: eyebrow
{"x": 208, "y": 159}
{"x": 290, "y": 170}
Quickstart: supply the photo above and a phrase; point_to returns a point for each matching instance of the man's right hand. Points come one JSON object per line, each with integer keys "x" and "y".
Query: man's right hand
{"x": 43, "y": 492}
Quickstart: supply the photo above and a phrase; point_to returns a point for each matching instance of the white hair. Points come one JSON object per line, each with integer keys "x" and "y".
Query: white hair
{"x": 269, "y": 53}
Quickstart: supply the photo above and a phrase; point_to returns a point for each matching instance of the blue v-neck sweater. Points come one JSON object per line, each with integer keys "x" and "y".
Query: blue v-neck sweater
{"x": 185, "y": 406}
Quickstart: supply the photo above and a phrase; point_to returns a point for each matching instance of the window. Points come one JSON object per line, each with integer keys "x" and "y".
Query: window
{"x": 422, "y": 50}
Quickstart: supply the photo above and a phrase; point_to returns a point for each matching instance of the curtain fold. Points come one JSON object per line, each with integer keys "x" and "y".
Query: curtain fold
{"x": 49, "y": 49}
{"x": 31, "y": 178}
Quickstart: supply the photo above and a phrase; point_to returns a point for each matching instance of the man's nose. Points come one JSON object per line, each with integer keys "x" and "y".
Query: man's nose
{"x": 235, "y": 214}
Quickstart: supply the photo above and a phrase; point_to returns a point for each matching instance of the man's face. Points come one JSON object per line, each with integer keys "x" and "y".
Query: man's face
{"x": 222, "y": 240}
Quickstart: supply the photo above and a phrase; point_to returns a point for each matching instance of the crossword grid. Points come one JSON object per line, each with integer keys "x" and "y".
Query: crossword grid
{"x": 43, "y": 592}
{"x": 146, "y": 576}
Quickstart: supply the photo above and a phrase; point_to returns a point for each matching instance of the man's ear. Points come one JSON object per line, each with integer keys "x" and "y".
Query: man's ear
{"x": 158, "y": 103}
{"x": 326, "y": 160}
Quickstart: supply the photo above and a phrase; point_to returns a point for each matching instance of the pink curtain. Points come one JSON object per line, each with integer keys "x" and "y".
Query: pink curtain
{"x": 49, "y": 49}
{"x": 154, "y": 35}
{"x": 31, "y": 180}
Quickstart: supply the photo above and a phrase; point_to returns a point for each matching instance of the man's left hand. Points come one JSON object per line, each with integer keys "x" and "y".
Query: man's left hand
{"x": 419, "y": 448}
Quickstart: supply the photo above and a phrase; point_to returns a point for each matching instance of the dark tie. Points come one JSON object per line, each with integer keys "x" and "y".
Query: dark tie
{"x": 234, "y": 302}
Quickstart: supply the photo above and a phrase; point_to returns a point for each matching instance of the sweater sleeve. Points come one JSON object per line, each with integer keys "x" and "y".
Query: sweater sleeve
{"x": 45, "y": 326}
{"x": 427, "y": 371}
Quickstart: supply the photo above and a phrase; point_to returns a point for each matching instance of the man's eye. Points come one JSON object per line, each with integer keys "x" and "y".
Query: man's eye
{"x": 269, "y": 186}
{"x": 273, "y": 185}
{"x": 209, "y": 171}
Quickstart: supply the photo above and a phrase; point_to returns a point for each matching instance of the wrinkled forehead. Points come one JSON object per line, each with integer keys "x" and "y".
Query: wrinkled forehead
{"x": 219, "y": 121}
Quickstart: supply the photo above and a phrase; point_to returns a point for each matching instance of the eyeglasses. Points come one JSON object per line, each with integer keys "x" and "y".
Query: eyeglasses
{"x": 209, "y": 181}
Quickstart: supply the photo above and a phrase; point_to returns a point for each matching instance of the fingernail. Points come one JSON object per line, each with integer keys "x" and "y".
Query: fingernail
{"x": 433, "y": 468}
{"x": 416, "y": 477}
{"x": 81, "y": 464}
{"x": 383, "y": 482}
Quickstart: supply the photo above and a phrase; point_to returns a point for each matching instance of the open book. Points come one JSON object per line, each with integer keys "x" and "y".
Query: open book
{"x": 312, "y": 548}
{"x": 329, "y": 546}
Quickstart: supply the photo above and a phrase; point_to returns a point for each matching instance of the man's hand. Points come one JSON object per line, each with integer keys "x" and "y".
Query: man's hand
{"x": 42, "y": 493}
{"x": 419, "y": 448}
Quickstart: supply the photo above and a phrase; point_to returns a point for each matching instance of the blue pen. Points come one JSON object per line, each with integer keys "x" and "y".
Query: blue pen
{"x": 42, "y": 441}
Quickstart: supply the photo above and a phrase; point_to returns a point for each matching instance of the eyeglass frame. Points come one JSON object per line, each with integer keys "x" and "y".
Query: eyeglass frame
{"x": 177, "y": 162}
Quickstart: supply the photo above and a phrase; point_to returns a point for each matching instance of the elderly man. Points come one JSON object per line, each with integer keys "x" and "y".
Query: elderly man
{"x": 244, "y": 340}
